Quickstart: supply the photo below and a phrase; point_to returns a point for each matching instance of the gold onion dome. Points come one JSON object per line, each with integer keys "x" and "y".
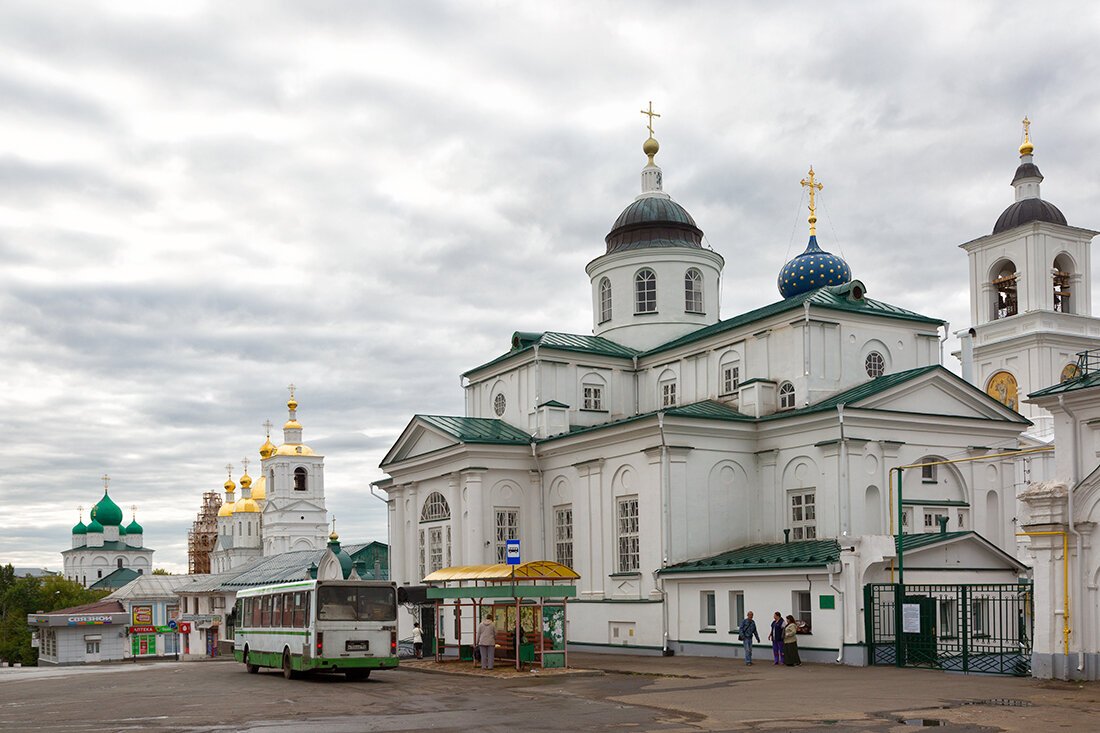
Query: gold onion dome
{"x": 259, "y": 489}
{"x": 650, "y": 147}
{"x": 292, "y": 425}
{"x": 267, "y": 449}
{"x": 229, "y": 485}
{"x": 1027, "y": 148}
{"x": 246, "y": 481}
{"x": 292, "y": 404}
{"x": 247, "y": 506}
{"x": 227, "y": 509}
{"x": 333, "y": 536}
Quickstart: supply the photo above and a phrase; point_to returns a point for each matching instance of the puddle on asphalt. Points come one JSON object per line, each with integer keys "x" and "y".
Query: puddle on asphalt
{"x": 922, "y": 722}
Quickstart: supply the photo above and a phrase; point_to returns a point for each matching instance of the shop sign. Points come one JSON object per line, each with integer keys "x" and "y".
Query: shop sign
{"x": 202, "y": 618}
{"x": 152, "y": 629}
{"x": 89, "y": 620}
{"x": 143, "y": 615}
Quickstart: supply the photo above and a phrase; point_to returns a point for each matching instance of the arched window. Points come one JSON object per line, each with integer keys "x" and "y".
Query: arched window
{"x": 299, "y": 479}
{"x": 605, "y": 300}
{"x": 875, "y": 364}
{"x": 729, "y": 374}
{"x": 1062, "y": 274}
{"x": 786, "y": 396}
{"x": 693, "y": 291}
{"x": 1003, "y": 279}
{"x": 120, "y": 563}
{"x": 645, "y": 291}
{"x": 435, "y": 508}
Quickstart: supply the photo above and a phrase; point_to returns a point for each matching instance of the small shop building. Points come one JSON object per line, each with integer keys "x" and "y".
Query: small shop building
{"x": 153, "y": 624}
{"x": 93, "y": 632}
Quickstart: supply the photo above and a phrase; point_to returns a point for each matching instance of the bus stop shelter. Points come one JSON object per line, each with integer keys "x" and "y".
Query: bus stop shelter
{"x": 527, "y": 603}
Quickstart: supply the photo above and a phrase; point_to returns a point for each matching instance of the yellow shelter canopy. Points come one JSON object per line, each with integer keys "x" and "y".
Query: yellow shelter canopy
{"x": 535, "y": 570}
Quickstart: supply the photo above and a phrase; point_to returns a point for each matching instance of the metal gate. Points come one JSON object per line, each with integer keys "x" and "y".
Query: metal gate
{"x": 960, "y": 628}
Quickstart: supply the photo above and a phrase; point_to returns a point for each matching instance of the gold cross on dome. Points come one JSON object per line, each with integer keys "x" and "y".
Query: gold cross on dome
{"x": 334, "y": 524}
{"x": 106, "y": 481}
{"x": 814, "y": 185}
{"x": 80, "y": 508}
{"x": 267, "y": 427}
{"x": 244, "y": 462}
{"x": 229, "y": 470}
{"x": 651, "y": 114}
{"x": 1027, "y": 129}
{"x": 291, "y": 388}
{"x": 133, "y": 510}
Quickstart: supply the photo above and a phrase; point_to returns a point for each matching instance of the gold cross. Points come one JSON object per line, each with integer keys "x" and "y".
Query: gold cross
{"x": 229, "y": 470}
{"x": 106, "y": 481}
{"x": 1027, "y": 128}
{"x": 244, "y": 462}
{"x": 267, "y": 427}
{"x": 814, "y": 186}
{"x": 334, "y": 524}
{"x": 80, "y": 509}
{"x": 291, "y": 388}
{"x": 133, "y": 510}
{"x": 651, "y": 114}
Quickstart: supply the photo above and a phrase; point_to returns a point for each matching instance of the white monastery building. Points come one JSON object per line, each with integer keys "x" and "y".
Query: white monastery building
{"x": 105, "y": 544}
{"x": 691, "y": 468}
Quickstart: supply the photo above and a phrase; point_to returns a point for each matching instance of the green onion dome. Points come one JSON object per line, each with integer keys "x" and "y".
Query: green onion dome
{"x": 80, "y": 528}
{"x": 95, "y": 526}
{"x": 106, "y": 512}
{"x": 133, "y": 527}
{"x": 121, "y": 531}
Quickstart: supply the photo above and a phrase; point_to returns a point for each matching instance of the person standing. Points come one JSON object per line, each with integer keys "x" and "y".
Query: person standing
{"x": 776, "y": 637}
{"x": 487, "y": 641}
{"x": 790, "y": 643}
{"x": 745, "y": 632}
{"x": 418, "y": 641}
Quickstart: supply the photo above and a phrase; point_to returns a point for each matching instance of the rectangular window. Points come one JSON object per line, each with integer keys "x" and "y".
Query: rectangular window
{"x": 737, "y": 609}
{"x": 932, "y": 518}
{"x": 708, "y": 616}
{"x": 254, "y": 611}
{"x": 265, "y": 611}
{"x": 435, "y": 548}
{"x": 423, "y": 554}
{"x": 668, "y": 394}
{"x": 948, "y": 614}
{"x": 803, "y": 516}
{"x": 446, "y": 549}
{"x": 507, "y": 528}
{"x": 928, "y": 474}
{"x": 731, "y": 378}
{"x": 92, "y": 647}
{"x": 277, "y": 610}
{"x": 803, "y": 612}
{"x": 627, "y": 513}
{"x": 563, "y": 535}
{"x": 593, "y": 397}
{"x": 979, "y": 617}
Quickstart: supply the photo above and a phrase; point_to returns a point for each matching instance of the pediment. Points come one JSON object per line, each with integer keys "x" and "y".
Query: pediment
{"x": 292, "y": 505}
{"x": 939, "y": 393}
{"x": 418, "y": 439}
{"x": 960, "y": 552}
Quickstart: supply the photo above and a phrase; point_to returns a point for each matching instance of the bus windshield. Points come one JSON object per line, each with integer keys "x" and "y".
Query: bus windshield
{"x": 351, "y": 603}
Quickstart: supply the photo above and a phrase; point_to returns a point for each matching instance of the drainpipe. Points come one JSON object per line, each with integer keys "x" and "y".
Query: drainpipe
{"x": 840, "y": 600}
{"x": 843, "y": 489}
{"x": 542, "y": 497}
{"x": 666, "y": 532}
{"x": 946, "y": 335}
{"x": 636, "y": 405}
{"x": 538, "y": 378}
{"x": 806, "y": 346}
{"x": 1076, "y": 443}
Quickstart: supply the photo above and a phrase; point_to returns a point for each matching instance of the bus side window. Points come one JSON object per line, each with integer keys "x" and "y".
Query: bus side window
{"x": 277, "y": 610}
{"x": 288, "y": 609}
{"x": 265, "y": 611}
{"x": 305, "y": 610}
{"x": 254, "y": 609}
{"x": 299, "y": 611}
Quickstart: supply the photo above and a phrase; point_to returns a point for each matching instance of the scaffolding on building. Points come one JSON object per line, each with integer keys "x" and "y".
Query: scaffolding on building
{"x": 203, "y": 534}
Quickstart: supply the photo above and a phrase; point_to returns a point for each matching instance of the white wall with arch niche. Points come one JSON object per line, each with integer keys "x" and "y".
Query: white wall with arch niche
{"x": 726, "y": 521}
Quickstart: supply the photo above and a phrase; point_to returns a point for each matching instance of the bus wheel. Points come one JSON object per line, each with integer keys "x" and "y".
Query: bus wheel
{"x": 356, "y": 675}
{"x": 288, "y": 670}
{"x": 252, "y": 668}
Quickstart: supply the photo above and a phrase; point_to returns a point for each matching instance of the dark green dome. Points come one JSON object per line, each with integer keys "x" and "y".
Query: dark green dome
{"x": 80, "y": 528}
{"x": 106, "y": 512}
{"x": 94, "y": 526}
{"x": 341, "y": 555}
{"x": 121, "y": 531}
{"x": 133, "y": 527}
{"x": 653, "y": 221}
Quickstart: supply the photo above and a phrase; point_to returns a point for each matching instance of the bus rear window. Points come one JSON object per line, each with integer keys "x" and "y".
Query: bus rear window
{"x": 351, "y": 603}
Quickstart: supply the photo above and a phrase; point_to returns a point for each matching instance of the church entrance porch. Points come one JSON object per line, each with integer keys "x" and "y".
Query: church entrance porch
{"x": 981, "y": 628}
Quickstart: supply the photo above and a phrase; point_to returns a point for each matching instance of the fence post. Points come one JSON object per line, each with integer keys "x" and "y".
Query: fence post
{"x": 869, "y": 621}
{"x": 964, "y": 633}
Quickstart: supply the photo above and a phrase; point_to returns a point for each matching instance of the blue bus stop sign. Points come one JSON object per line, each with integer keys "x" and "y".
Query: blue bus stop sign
{"x": 511, "y": 551}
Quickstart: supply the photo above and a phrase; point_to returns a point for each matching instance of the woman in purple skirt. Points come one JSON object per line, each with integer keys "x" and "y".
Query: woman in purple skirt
{"x": 776, "y": 637}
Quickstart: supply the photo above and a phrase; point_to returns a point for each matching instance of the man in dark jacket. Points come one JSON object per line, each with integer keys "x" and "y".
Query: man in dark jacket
{"x": 745, "y": 632}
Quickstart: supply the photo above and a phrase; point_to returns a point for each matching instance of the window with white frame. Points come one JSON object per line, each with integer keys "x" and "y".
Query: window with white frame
{"x": 627, "y": 514}
{"x": 592, "y": 397}
{"x": 507, "y": 528}
{"x": 803, "y": 610}
{"x": 708, "y": 615}
{"x": 786, "y": 396}
{"x": 645, "y": 291}
{"x": 605, "y": 300}
{"x": 731, "y": 377}
{"x": 423, "y": 554}
{"x": 693, "y": 291}
{"x": 435, "y": 548}
{"x": 949, "y": 609}
{"x": 91, "y": 647}
{"x": 979, "y": 616}
{"x": 803, "y": 515}
{"x": 737, "y": 610}
{"x": 962, "y": 518}
{"x": 905, "y": 521}
{"x": 563, "y": 535}
{"x": 875, "y": 364}
{"x": 932, "y": 517}
{"x": 668, "y": 393}
{"x": 435, "y": 508}
{"x": 928, "y": 473}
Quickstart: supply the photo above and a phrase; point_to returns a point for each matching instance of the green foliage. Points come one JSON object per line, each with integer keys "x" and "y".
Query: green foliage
{"x": 160, "y": 571}
{"x": 22, "y": 596}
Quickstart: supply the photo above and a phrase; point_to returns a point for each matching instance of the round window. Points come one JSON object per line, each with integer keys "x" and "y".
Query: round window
{"x": 499, "y": 403}
{"x": 875, "y": 365}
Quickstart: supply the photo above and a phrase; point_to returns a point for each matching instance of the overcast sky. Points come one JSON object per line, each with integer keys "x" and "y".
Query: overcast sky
{"x": 201, "y": 202}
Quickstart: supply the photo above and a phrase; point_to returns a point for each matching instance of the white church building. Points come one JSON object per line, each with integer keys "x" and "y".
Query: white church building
{"x": 691, "y": 468}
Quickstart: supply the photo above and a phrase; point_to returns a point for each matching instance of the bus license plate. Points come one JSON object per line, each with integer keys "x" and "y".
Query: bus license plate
{"x": 357, "y": 646}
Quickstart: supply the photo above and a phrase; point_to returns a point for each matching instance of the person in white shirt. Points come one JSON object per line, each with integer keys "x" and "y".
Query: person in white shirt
{"x": 418, "y": 641}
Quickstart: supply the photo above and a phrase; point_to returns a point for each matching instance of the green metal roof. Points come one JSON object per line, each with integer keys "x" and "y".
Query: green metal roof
{"x": 831, "y": 298}
{"x": 771, "y": 556}
{"x": 1092, "y": 379}
{"x": 117, "y": 579}
{"x": 916, "y": 541}
{"x": 525, "y": 341}
{"x": 476, "y": 429}
{"x": 709, "y": 410}
{"x": 115, "y": 545}
{"x": 860, "y": 391}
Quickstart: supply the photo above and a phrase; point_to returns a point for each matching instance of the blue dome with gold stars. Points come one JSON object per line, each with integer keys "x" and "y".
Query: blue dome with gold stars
{"x": 813, "y": 269}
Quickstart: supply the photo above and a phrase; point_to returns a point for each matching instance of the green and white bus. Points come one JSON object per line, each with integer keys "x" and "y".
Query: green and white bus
{"x": 347, "y": 626}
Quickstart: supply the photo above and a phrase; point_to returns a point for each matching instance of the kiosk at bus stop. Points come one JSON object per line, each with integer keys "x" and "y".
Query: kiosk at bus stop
{"x": 528, "y": 603}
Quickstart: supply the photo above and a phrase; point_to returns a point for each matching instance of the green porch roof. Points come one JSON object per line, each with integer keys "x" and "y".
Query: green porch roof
{"x": 916, "y": 541}
{"x": 831, "y": 298}
{"x": 526, "y": 341}
{"x": 115, "y": 580}
{"x": 477, "y": 429}
{"x": 770, "y": 556}
{"x": 1092, "y": 379}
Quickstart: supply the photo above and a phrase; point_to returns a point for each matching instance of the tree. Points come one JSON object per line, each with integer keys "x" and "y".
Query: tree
{"x": 160, "y": 571}
{"x": 22, "y": 596}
